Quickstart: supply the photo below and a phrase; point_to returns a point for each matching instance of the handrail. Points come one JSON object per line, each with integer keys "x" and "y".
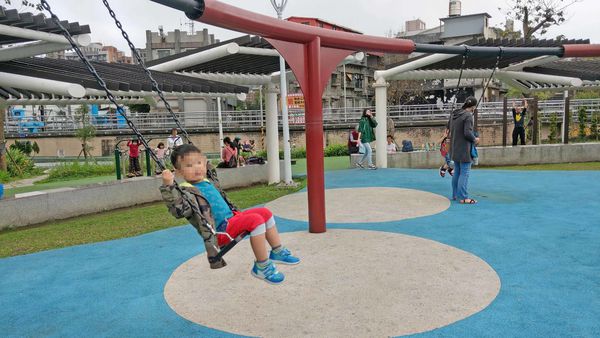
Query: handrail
{"x": 254, "y": 119}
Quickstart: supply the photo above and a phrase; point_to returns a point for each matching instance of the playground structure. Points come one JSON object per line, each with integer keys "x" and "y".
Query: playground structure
{"x": 312, "y": 54}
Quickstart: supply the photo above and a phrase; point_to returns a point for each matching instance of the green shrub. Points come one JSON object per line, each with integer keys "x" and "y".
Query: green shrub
{"x": 77, "y": 170}
{"x": 336, "y": 150}
{"x": 329, "y": 151}
{"x": 261, "y": 153}
{"x": 594, "y": 126}
{"x": 298, "y": 153}
{"x": 295, "y": 153}
{"x": 4, "y": 177}
{"x": 19, "y": 164}
{"x": 26, "y": 147}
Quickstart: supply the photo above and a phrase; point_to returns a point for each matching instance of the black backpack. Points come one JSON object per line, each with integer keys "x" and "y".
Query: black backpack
{"x": 255, "y": 160}
{"x": 407, "y": 146}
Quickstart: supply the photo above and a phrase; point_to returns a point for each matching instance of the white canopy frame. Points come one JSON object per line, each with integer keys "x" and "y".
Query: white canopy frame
{"x": 512, "y": 75}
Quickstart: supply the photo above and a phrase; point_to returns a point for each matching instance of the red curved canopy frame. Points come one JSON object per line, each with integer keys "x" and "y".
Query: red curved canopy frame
{"x": 313, "y": 53}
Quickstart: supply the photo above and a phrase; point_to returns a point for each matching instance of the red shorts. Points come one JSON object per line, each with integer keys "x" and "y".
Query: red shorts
{"x": 246, "y": 221}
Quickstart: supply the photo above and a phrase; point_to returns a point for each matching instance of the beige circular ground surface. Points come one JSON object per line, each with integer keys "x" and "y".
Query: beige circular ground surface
{"x": 350, "y": 283}
{"x": 363, "y": 205}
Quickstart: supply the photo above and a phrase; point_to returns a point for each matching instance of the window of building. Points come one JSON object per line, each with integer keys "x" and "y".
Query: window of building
{"x": 306, "y": 23}
{"x": 163, "y": 53}
{"x": 334, "y": 79}
{"x": 357, "y": 80}
{"x": 321, "y": 24}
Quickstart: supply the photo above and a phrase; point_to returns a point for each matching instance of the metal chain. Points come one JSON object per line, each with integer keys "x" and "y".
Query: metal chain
{"x": 462, "y": 67}
{"x": 498, "y": 58}
{"x": 120, "y": 110}
{"x": 155, "y": 86}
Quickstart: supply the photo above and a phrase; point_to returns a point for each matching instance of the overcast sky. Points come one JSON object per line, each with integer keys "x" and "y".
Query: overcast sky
{"x": 373, "y": 17}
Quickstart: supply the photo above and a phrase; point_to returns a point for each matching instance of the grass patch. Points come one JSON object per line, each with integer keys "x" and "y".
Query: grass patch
{"x": 330, "y": 163}
{"x": 552, "y": 166}
{"x": 74, "y": 170}
{"x": 117, "y": 224}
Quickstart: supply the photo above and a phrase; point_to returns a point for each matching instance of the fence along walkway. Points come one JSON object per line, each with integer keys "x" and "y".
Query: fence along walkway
{"x": 253, "y": 119}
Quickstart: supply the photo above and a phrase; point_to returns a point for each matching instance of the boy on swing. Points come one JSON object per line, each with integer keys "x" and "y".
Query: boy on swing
{"x": 191, "y": 164}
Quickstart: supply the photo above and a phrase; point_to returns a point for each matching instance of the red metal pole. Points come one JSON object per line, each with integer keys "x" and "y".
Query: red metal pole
{"x": 314, "y": 138}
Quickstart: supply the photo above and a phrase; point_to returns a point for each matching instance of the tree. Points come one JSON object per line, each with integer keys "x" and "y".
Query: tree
{"x": 594, "y": 126}
{"x": 538, "y": 15}
{"x": 582, "y": 117}
{"x": 405, "y": 92}
{"x": 87, "y": 132}
{"x": 553, "y": 136}
{"x": 27, "y": 3}
{"x": 139, "y": 108}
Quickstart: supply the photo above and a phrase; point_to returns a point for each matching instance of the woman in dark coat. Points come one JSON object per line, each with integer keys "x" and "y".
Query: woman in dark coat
{"x": 462, "y": 139}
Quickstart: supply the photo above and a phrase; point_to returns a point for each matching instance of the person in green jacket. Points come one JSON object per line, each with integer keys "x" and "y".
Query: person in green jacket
{"x": 367, "y": 135}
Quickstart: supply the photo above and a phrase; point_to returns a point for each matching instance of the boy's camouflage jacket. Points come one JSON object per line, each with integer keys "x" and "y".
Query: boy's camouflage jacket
{"x": 179, "y": 207}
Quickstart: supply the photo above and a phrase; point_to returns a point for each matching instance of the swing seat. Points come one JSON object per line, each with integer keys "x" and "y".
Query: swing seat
{"x": 225, "y": 248}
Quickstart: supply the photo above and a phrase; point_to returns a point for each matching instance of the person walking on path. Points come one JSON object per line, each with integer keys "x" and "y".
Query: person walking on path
{"x": 173, "y": 141}
{"x": 367, "y": 135}
{"x": 461, "y": 140}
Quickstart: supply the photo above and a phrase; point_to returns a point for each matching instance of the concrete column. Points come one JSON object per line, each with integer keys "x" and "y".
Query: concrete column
{"x": 220, "y": 122}
{"x": 177, "y": 41}
{"x": 148, "y": 46}
{"x": 381, "y": 117}
{"x": 272, "y": 135}
{"x": 205, "y": 38}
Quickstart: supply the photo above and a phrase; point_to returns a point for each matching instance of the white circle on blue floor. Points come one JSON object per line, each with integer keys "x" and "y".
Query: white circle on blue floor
{"x": 363, "y": 205}
{"x": 350, "y": 283}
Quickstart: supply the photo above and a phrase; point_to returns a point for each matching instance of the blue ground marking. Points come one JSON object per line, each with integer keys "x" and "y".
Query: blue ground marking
{"x": 540, "y": 231}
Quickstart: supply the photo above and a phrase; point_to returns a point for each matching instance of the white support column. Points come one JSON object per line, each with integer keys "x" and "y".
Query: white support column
{"x": 564, "y": 118}
{"x": 272, "y": 136}
{"x": 287, "y": 153}
{"x": 220, "y": 122}
{"x": 41, "y": 85}
{"x": 381, "y": 117}
{"x": 32, "y": 49}
{"x": 30, "y": 34}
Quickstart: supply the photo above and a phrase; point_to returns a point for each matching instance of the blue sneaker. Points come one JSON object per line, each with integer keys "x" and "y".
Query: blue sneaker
{"x": 269, "y": 274}
{"x": 284, "y": 257}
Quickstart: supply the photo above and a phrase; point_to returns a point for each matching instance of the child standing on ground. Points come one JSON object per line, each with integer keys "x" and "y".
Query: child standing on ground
{"x": 134, "y": 158}
{"x": 445, "y": 152}
{"x": 190, "y": 163}
{"x": 160, "y": 152}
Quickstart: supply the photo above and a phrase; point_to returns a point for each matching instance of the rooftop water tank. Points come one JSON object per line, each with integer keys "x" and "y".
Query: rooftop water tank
{"x": 454, "y": 8}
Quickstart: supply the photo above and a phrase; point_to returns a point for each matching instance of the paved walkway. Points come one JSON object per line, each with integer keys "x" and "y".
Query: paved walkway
{"x": 25, "y": 182}
{"x": 523, "y": 262}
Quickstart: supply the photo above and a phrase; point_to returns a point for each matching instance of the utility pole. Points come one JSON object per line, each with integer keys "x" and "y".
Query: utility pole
{"x": 279, "y": 6}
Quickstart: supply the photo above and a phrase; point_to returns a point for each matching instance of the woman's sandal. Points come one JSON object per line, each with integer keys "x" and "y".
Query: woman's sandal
{"x": 468, "y": 201}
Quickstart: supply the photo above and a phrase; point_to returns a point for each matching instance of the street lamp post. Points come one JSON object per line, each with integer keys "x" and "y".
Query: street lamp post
{"x": 279, "y": 6}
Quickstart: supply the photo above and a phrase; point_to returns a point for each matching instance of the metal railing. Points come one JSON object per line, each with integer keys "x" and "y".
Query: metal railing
{"x": 253, "y": 119}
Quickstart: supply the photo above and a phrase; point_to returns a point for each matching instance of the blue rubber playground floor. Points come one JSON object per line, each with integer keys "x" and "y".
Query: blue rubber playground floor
{"x": 540, "y": 231}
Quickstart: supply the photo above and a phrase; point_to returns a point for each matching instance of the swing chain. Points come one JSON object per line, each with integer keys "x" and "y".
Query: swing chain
{"x": 146, "y": 70}
{"x": 498, "y": 58}
{"x": 462, "y": 67}
{"x": 156, "y": 88}
{"x": 113, "y": 100}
